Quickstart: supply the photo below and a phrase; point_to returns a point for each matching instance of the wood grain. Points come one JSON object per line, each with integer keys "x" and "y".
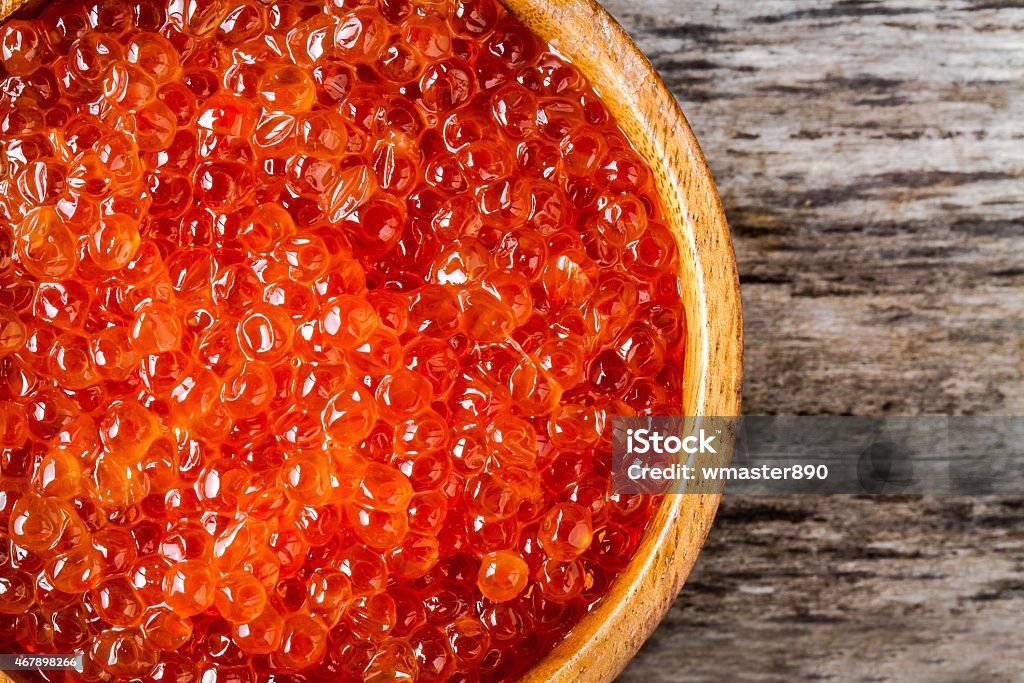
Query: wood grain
{"x": 870, "y": 158}
{"x": 8, "y": 7}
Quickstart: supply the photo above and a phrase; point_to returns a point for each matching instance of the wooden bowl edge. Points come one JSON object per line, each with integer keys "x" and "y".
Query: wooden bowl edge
{"x": 604, "y": 641}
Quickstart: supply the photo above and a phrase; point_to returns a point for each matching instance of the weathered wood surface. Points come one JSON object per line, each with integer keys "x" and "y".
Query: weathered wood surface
{"x": 871, "y": 159}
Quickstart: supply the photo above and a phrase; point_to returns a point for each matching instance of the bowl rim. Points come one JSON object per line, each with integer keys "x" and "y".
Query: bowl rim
{"x": 601, "y": 644}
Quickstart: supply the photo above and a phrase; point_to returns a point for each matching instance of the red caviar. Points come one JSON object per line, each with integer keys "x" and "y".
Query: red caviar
{"x": 313, "y": 318}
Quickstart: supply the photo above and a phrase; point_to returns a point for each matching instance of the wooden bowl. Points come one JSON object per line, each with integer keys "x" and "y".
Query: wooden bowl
{"x": 604, "y": 641}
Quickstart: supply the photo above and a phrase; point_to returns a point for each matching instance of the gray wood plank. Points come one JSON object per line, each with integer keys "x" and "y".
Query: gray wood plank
{"x": 870, "y": 156}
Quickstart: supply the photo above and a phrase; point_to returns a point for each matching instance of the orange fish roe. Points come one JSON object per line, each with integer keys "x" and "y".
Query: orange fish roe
{"x": 313, "y": 319}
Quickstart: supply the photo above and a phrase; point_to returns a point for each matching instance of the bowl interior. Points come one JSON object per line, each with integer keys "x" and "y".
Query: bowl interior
{"x": 603, "y": 642}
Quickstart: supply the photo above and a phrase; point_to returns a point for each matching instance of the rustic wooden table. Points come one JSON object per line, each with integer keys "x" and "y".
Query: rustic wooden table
{"x": 870, "y": 156}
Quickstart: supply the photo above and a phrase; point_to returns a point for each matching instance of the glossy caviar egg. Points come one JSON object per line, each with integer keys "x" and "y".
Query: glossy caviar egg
{"x": 503, "y": 575}
{"x": 313, "y": 320}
